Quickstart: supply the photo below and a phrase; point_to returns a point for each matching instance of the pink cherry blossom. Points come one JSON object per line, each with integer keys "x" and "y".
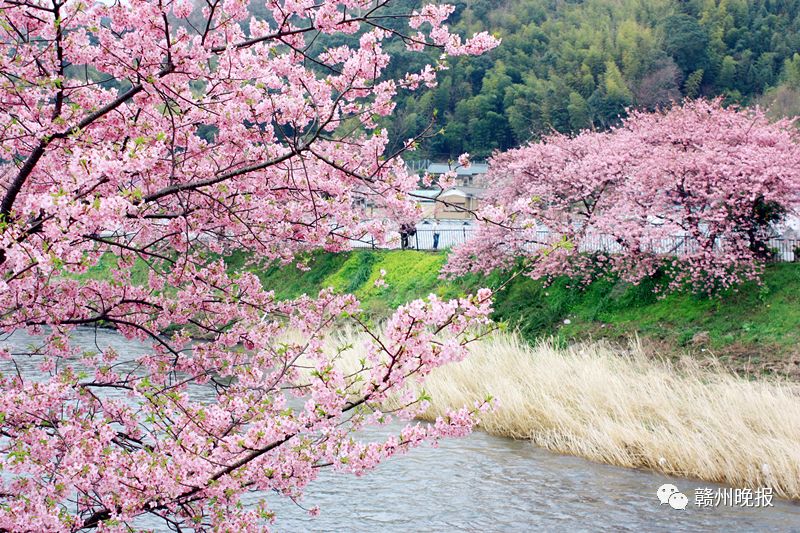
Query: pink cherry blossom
{"x": 157, "y": 137}
{"x": 447, "y": 180}
{"x": 693, "y": 191}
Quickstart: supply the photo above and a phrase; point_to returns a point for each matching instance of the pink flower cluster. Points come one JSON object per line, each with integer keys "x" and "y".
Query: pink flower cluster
{"x": 694, "y": 190}
{"x": 155, "y": 137}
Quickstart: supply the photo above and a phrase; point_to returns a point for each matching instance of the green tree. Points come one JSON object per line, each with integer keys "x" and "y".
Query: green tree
{"x": 692, "y": 85}
{"x": 687, "y": 42}
{"x": 608, "y": 103}
{"x": 580, "y": 117}
{"x": 791, "y": 72}
{"x": 726, "y": 78}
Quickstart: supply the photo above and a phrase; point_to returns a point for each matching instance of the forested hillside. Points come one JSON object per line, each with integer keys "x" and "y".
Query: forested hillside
{"x": 568, "y": 65}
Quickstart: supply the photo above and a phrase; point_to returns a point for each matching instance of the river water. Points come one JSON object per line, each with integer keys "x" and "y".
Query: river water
{"x": 484, "y": 483}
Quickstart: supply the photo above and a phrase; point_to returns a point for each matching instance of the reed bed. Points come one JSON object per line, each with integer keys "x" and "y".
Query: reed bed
{"x": 624, "y": 408}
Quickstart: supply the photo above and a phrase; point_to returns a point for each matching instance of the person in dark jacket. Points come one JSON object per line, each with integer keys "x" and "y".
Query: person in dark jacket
{"x": 406, "y": 230}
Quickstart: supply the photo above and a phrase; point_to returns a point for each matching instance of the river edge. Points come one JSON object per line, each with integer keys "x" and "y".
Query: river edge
{"x": 626, "y": 409}
{"x": 513, "y": 366}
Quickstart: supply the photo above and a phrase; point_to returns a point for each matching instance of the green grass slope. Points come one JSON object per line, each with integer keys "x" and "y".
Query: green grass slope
{"x": 759, "y": 323}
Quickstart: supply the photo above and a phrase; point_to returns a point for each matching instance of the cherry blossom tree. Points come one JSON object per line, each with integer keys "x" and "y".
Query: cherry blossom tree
{"x": 163, "y": 134}
{"x": 693, "y": 191}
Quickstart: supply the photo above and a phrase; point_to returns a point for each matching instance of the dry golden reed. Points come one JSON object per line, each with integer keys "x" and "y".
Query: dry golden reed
{"x": 623, "y": 408}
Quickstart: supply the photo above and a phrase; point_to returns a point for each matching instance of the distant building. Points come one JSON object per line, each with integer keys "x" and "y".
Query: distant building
{"x": 456, "y": 203}
{"x": 471, "y": 176}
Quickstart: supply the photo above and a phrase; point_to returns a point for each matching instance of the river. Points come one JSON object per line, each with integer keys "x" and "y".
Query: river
{"x": 484, "y": 483}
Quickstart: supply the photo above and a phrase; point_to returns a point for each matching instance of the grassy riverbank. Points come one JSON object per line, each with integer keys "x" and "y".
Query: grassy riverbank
{"x": 753, "y": 330}
{"x": 683, "y": 414}
{"x": 626, "y": 409}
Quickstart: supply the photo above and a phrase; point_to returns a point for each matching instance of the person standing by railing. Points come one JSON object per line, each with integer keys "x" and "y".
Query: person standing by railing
{"x": 407, "y": 230}
{"x": 403, "y": 237}
{"x": 435, "y": 234}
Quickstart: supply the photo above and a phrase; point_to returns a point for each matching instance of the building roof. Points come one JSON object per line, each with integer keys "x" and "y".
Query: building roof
{"x": 473, "y": 169}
